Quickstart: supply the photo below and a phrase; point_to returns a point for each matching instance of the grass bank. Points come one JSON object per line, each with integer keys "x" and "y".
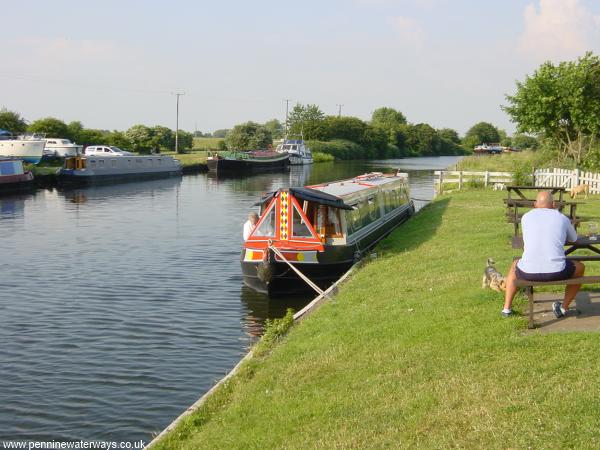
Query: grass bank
{"x": 206, "y": 143}
{"x": 413, "y": 353}
{"x": 504, "y": 162}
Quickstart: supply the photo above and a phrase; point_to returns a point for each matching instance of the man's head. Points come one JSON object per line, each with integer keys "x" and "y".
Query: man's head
{"x": 544, "y": 200}
{"x": 253, "y": 218}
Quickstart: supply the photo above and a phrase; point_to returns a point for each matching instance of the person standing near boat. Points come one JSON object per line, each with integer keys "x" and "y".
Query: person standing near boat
{"x": 250, "y": 224}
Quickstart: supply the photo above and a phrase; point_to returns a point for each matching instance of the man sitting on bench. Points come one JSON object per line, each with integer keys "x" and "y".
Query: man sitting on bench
{"x": 545, "y": 232}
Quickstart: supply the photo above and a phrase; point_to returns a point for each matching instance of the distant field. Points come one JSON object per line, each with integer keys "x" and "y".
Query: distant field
{"x": 206, "y": 143}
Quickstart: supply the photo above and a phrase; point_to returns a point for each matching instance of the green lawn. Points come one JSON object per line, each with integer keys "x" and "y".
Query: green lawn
{"x": 205, "y": 143}
{"x": 412, "y": 353}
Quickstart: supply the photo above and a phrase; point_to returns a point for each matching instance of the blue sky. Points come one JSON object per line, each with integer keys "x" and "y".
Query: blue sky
{"x": 112, "y": 64}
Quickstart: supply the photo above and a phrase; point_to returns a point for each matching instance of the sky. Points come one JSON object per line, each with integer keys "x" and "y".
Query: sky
{"x": 112, "y": 64}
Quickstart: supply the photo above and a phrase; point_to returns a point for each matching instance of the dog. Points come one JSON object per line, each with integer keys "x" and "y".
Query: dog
{"x": 492, "y": 278}
{"x": 499, "y": 186}
{"x": 585, "y": 188}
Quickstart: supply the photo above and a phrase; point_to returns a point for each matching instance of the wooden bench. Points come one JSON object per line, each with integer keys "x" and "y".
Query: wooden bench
{"x": 529, "y": 285}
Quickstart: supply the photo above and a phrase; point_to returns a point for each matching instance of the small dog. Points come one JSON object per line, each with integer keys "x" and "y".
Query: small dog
{"x": 585, "y": 188}
{"x": 492, "y": 278}
{"x": 499, "y": 186}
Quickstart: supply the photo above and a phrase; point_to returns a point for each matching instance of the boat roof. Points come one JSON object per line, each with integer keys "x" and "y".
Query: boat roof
{"x": 351, "y": 186}
{"x": 332, "y": 194}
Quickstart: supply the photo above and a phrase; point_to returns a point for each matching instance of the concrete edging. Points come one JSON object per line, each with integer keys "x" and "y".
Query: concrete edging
{"x": 297, "y": 317}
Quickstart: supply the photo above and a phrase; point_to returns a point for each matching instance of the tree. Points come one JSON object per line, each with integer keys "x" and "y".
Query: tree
{"x": 164, "y": 138}
{"x": 275, "y": 127}
{"x": 185, "y": 140}
{"x": 51, "y": 127}
{"x": 220, "y": 133}
{"x": 449, "y": 134}
{"x": 306, "y": 120}
{"x": 523, "y": 141}
{"x": 481, "y": 133}
{"x": 93, "y": 137}
{"x": 387, "y": 118}
{"x": 119, "y": 139}
{"x": 12, "y": 121}
{"x": 423, "y": 140}
{"x": 248, "y": 136}
{"x": 140, "y": 138}
{"x": 562, "y": 102}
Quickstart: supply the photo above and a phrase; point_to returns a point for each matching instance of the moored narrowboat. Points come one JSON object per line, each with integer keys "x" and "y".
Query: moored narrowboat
{"x": 321, "y": 230}
{"x": 244, "y": 162}
{"x": 13, "y": 177}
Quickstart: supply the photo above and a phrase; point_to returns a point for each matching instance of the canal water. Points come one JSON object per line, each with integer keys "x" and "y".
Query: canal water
{"x": 121, "y": 305}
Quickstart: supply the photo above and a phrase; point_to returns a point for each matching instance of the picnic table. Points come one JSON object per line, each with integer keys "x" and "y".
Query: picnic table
{"x": 591, "y": 243}
{"x": 517, "y": 198}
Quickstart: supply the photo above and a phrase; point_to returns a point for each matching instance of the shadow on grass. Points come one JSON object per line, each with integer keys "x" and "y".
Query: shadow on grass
{"x": 418, "y": 230}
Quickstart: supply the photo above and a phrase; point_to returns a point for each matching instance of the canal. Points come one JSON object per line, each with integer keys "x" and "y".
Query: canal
{"x": 121, "y": 305}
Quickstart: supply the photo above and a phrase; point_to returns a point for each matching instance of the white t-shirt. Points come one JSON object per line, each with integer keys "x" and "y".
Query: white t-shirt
{"x": 545, "y": 232}
{"x": 248, "y": 228}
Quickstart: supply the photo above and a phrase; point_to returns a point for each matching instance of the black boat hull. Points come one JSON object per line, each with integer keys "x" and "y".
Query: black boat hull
{"x": 332, "y": 263}
{"x": 246, "y": 165}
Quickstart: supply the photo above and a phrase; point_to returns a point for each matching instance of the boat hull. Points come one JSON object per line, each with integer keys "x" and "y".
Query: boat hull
{"x": 247, "y": 165}
{"x": 332, "y": 263}
{"x": 71, "y": 176}
{"x": 16, "y": 183}
{"x": 30, "y": 151}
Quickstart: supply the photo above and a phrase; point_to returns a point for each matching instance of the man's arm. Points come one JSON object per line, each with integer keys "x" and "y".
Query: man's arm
{"x": 571, "y": 233}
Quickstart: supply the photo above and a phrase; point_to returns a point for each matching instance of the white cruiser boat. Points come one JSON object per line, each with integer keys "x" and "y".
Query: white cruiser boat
{"x": 62, "y": 148}
{"x": 92, "y": 169}
{"x": 298, "y": 151}
{"x": 26, "y": 147}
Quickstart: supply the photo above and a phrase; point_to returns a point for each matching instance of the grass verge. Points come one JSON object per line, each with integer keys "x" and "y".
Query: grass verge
{"x": 413, "y": 353}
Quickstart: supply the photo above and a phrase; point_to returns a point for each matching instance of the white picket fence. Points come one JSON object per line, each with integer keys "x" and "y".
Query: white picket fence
{"x": 456, "y": 177}
{"x": 567, "y": 178}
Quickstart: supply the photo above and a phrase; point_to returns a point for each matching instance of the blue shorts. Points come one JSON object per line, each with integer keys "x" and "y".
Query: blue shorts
{"x": 564, "y": 274}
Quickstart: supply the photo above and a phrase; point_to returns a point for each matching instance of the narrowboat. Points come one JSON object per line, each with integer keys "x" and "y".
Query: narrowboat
{"x": 321, "y": 230}
{"x": 94, "y": 169}
{"x": 242, "y": 162}
{"x": 13, "y": 177}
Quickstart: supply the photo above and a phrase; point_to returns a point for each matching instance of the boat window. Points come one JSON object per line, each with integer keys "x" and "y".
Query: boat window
{"x": 299, "y": 227}
{"x": 373, "y": 209}
{"x": 333, "y": 227}
{"x": 113, "y": 162}
{"x": 267, "y": 227}
{"x": 129, "y": 162}
{"x": 101, "y": 162}
{"x": 92, "y": 163}
{"x": 353, "y": 219}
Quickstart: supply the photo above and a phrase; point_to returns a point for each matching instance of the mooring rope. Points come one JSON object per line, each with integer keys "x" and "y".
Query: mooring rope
{"x": 420, "y": 199}
{"x": 300, "y": 274}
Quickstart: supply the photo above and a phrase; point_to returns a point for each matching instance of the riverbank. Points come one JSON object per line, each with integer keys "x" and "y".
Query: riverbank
{"x": 413, "y": 353}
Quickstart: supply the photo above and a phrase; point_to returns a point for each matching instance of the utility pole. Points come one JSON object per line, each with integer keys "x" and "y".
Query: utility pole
{"x": 339, "y": 110}
{"x": 287, "y": 106}
{"x": 177, "y": 94}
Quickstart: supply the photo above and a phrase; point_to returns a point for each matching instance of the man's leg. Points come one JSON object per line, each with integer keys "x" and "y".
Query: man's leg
{"x": 511, "y": 288}
{"x": 572, "y": 289}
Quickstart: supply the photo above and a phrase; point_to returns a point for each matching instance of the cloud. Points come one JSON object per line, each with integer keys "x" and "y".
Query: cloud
{"x": 559, "y": 29}
{"x": 409, "y": 29}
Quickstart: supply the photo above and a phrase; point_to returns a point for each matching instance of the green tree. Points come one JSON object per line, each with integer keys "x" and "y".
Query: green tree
{"x": 220, "y": 133}
{"x": 51, "y": 127}
{"x": 449, "y": 134}
{"x": 163, "y": 138}
{"x": 481, "y": 133}
{"x": 141, "y": 138}
{"x": 306, "y": 120}
{"x": 562, "y": 102}
{"x": 119, "y": 139}
{"x": 12, "y": 121}
{"x": 185, "y": 140}
{"x": 248, "y": 136}
{"x": 387, "y": 118}
{"x": 275, "y": 127}
{"x": 524, "y": 141}
{"x": 423, "y": 140}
